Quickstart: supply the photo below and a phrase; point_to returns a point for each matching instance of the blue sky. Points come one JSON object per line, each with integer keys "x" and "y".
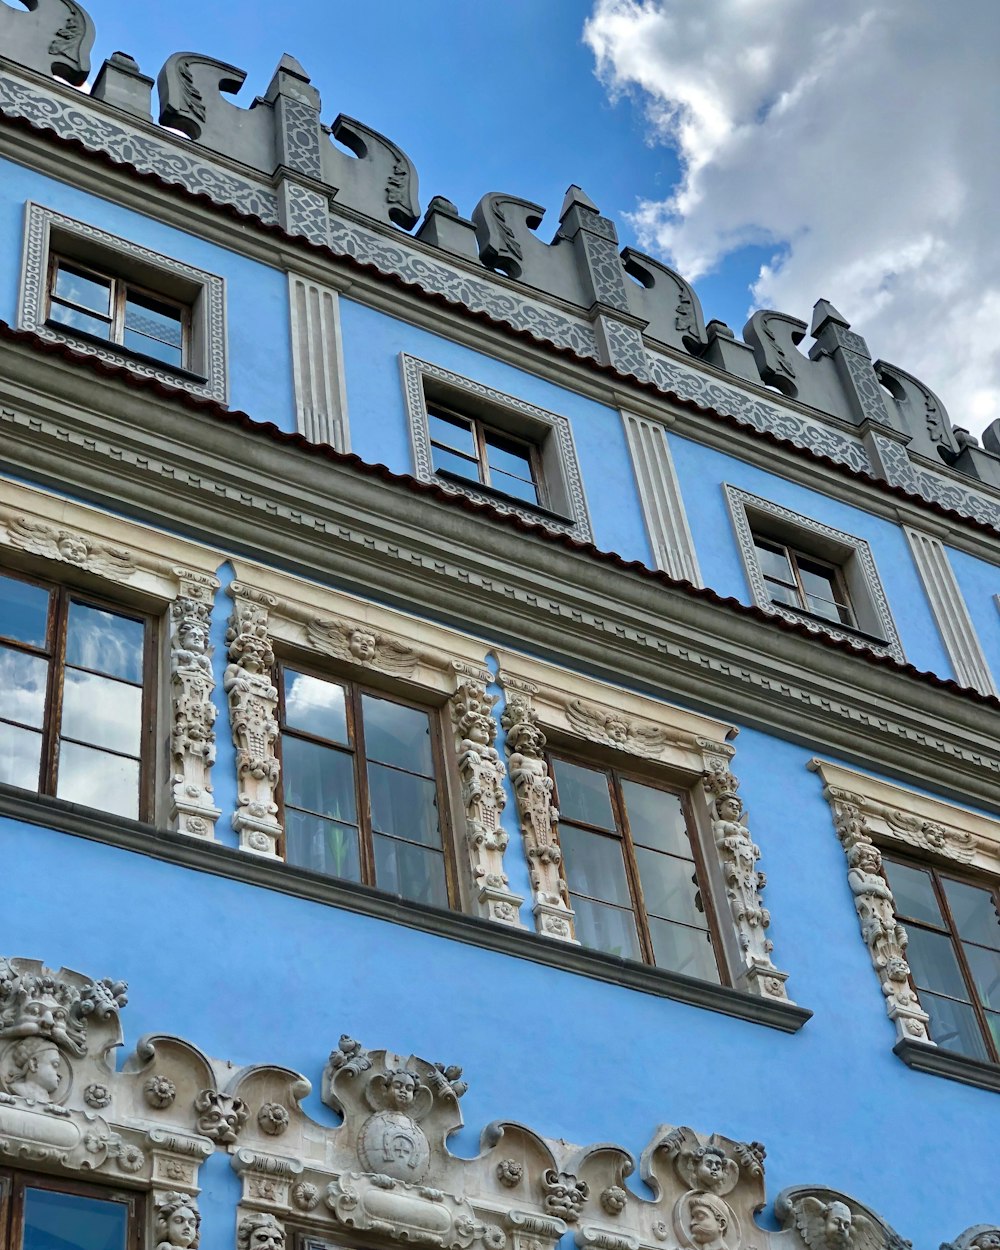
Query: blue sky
{"x": 773, "y": 151}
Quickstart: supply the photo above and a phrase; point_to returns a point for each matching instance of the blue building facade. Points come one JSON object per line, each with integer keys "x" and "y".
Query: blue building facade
{"x": 487, "y": 758}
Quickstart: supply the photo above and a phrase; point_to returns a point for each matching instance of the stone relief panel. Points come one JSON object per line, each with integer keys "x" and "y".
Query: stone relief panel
{"x": 385, "y": 1173}
{"x": 67, "y": 546}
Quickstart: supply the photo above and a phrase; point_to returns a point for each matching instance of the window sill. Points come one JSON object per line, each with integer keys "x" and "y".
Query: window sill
{"x": 225, "y": 861}
{"x": 924, "y": 1058}
{"x": 184, "y": 376}
{"x": 545, "y": 515}
{"x": 833, "y": 626}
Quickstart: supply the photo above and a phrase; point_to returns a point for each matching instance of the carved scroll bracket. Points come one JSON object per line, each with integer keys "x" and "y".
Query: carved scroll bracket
{"x": 253, "y": 702}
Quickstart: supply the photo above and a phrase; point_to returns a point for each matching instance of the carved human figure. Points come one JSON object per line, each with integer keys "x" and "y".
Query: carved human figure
{"x": 873, "y": 898}
{"x": 35, "y": 1069}
{"x": 740, "y": 855}
{"x": 178, "y": 1222}
{"x": 708, "y": 1222}
{"x": 260, "y": 1231}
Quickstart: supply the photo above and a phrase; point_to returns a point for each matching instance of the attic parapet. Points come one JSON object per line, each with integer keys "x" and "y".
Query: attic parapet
{"x": 277, "y": 161}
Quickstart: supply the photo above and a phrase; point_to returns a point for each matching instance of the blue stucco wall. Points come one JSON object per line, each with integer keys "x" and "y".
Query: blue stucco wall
{"x": 702, "y": 472}
{"x": 260, "y": 368}
{"x": 380, "y": 429}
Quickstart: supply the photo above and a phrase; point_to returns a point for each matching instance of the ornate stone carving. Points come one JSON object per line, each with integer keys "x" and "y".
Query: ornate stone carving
{"x": 253, "y": 701}
{"x": 613, "y": 730}
{"x": 979, "y": 1237}
{"x": 70, "y": 547}
{"x": 738, "y": 855}
{"x": 510, "y": 1173}
{"x": 97, "y": 1096}
{"x": 483, "y": 796}
{"x": 177, "y": 1222}
{"x": 359, "y": 645}
{"x": 220, "y": 1116}
{"x": 259, "y": 1231}
{"x": 827, "y": 1220}
{"x": 529, "y": 774}
{"x": 192, "y": 733}
{"x": 273, "y": 1118}
{"x": 564, "y": 1195}
{"x": 614, "y": 1199}
{"x": 159, "y": 1092}
{"x": 55, "y": 1007}
{"x": 54, "y": 37}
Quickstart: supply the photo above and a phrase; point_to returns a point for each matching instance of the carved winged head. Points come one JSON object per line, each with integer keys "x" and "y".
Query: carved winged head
{"x": 835, "y": 1226}
{"x": 362, "y": 645}
{"x": 260, "y": 1231}
{"x": 178, "y": 1221}
{"x": 73, "y": 548}
{"x": 399, "y": 1090}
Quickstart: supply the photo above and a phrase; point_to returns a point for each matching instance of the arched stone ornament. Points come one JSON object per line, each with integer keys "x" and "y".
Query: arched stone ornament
{"x": 825, "y": 1219}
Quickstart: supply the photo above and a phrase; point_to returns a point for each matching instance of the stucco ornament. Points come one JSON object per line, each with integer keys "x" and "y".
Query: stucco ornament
{"x": 978, "y": 1237}
{"x": 70, "y": 547}
{"x": 704, "y": 1221}
{"x": 613, "y": 730}
{"x": 159, "y": 1091}
{"x": 221, "y": 1117}
{"x": 273, "y": 1118}
{"x": 357, "y": 644}
{"x": 529, "y": 775}
{"x": 564, "y": 1194}
{"x": 483, "y": 797}
{"x": 253, "y": 702}
{"x": 177, "y": 1222}
{"x": 826, "y": 1219}
{"x": 192, "y": 734}
{"x": 510, "y": 1173}
{"x": 259, "y": 1231}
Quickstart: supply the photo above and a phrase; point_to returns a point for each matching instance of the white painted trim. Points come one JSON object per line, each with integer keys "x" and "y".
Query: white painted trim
{"x": 318, "y": 363}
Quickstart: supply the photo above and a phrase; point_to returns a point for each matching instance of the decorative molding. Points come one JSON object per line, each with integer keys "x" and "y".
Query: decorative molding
{"x": 253, "y": 702}
{"x": 901, "y": 470}
{"x": 550, "y": 433}
{"x": 950, "y": 612}
{"x": 662, "y": 503}
{"x": 483, "y": 796}
{"x": 353, "y": 643}
{"x": 66, "y": 546}
{"x": 206, "y": 298}
{"x": 853, "y": 555}
{"x": 318, "y": 363}
{"x": 192, "y": 712}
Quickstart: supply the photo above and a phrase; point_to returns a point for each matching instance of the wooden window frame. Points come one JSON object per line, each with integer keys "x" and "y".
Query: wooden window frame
{"x": 480, "y": 430}
{"x": 793, "y": 555}
{"x": 355, "y": 747}
{"x": 981, "y": 882}
{"x": 13, "y": 1184}
{"x": 623, "y": 835}
{"x": 121, "y": 288}
{"x": 61, "y": 594}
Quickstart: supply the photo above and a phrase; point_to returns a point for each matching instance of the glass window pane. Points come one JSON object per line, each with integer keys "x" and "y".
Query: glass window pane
{"x": 75, "y": 320}
{"x": 150, "y": 317}
{"x": 593, "y": 865}
{"x": 773, "y": 562}
{"x": 913, "y": 890}
{"x": 316, "y": 706}
{"x": 147, "y": 346}
{"x": 105, "y": 642}
{"x": 55, "y": 1221}
{"x": 452, "y": 432}
{"x": 683, "y": 950}
{"x": 583, "y": 794}
{"x": 993, "y": 1020}
{"x": 319, "y": 778}
{"x": 24, "y": 611}
{"x": 974, "y": 911}
{"x": 954, "y": 1026}
{"x": 102, "y": 712}
{"x": 985, "y": 968}
{"x": 20, "y": 756}
{"x": 83, "y": 288}
{"x": 782, "y": 594}
{"x": 453, "y": 463}
{"x": 934, "y": 963}
{"x": 514, "y": 486}
{"x": 322, "y": 845}
{"x": 404, "y": 805}
{"x": 818, "y": 580}
{"x": 829, "y": 610}
{"x": 96, "y": 779}
{"x": 669, "y": 888}
{"x": 398, "y": 735}
{"x": 656, "y": 818}
{"x": 415, "y": 872}
{"x": 22, "y": 687}
{"x": 507, "y": 456}
{"x": 605, "y": 928}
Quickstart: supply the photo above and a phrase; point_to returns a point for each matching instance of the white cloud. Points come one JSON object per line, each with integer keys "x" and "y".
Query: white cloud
{"x": 859, "y": 139}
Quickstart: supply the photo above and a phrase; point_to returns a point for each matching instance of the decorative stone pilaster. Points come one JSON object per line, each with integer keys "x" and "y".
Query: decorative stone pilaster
{"x": 738, "y": 855}
{"x": 529, "y": 775}
{"x": 884, "y": 936}
{"x": 253, "y": 702}
{"x": 192, "y": 712}
{"x": 483, "y": 797}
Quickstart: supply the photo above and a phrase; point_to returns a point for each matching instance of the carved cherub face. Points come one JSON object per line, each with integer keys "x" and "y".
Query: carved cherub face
{"x": 362, "y": 645}
{"x": 838, "y": 1224}
{"x": 707, "y": 1221}
{"x": 402, "y": 1087}
{"x": 617, "y": 730}
{"x": 710, "y": 1169}
{"x": 73, "y": 548}
{"x": 182, "y": 1227}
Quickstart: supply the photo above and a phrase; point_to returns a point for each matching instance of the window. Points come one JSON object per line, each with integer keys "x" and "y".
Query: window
{"x": 812, "y": 574}
{"x": 41, "y": 1213}
{"x": 953, "y": 926}
{"x": 75, "y": 717}
{"x": 361, "y": 797}
{"x": 123, "y": 303}
{"x": 493, "y": 447}
{"x": 632, "y": 869}
{"x": 109, "y": 308}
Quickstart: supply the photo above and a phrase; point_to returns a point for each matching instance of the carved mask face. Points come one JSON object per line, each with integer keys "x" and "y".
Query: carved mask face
{"x": 707, "y": 1224}
{"x": 182, "y": 1228}
{"x": 267, "y": 1239}
{"x": 838, "y": 1224}
{"x": 869, "y": 860}
{"x": 46, "y": 1017}
{"x": 401, "y": 1090}
{"x": 362, "y": 646}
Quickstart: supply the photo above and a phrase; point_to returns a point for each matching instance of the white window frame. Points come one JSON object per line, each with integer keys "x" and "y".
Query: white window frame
{"x": 47, "y": 232}
{"x": 549, "y": 432}
{"x": 876, "y": 630}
